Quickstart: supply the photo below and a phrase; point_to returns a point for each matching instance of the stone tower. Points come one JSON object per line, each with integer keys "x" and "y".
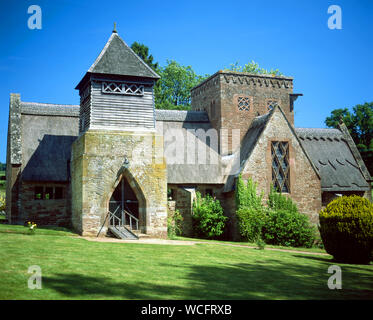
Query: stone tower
{"x": 117, "y": 162}
{"x": 233, "y": 99}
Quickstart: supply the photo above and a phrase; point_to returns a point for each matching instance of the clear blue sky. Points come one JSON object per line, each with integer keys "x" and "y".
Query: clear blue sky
{"x": 332, "y": 68}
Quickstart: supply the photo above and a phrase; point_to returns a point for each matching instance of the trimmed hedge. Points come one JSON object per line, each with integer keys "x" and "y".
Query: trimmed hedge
{"x": 346, "y": 228}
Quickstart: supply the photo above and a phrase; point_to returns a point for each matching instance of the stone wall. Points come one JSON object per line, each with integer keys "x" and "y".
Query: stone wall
{"x": 305, "y": 184}
{"x": 97, "y": 168}
{"x": 220, "y": 95}
{"x": 52, "y": 212}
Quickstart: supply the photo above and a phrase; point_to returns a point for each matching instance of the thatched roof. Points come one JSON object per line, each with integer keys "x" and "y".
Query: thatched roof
{"x": 332, "y": 156}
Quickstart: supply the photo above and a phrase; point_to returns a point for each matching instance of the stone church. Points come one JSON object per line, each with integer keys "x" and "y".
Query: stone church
{"x": 116, "y": 165}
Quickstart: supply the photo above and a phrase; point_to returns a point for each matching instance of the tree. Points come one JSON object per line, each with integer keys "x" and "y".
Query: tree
{"x": 360, "y": 126}
{"x": 172, "y": 90}
{"x": 175, "y": 86}
{"x": 252, "y": 67}
{"x": 143, "y": 52}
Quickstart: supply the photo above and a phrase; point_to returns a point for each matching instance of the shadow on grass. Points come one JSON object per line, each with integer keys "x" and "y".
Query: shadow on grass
{"x": 275, "y": 280}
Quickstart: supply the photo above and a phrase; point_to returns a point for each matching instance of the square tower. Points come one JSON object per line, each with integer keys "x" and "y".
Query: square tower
{"x": 119, "y": 177}
{"x": 233, "y": 99}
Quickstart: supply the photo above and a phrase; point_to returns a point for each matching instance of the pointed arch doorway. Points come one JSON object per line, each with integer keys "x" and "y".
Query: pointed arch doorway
{"x": 126, "y": 208}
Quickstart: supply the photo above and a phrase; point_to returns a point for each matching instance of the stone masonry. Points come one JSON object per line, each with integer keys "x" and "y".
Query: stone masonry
{"x": 97, "y": 168}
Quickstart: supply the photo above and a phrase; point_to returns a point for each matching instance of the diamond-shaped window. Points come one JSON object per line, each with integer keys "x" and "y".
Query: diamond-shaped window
{"x": 280, "y": 166}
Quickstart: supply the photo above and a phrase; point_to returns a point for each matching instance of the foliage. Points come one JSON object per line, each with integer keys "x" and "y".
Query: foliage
{"x": 250, "y": 211}
{"x": 174, "y": 221}
{"x": 2, "y": 203}
{"x": 346, "y": 228}
{"x": 284, "y": 224}
{"x": 360, "y": 126}
{"x": 250, "y": 222}
{"x": 143, "y": 52}
{"x": 208, "y": 217}
{"x": 277, "y": 201}
{"x": 278, "y": 224}
{"x": 173, "y": 89}
{"x": 252, "y": 67}
{"x": 246, "y": 195}
{"x": 286, "y": 228}
{"x": 175, "y": 85}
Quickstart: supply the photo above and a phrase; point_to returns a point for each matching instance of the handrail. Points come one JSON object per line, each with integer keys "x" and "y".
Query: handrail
{"x": 132, "y": 217}
{"x": 109, "y": 213}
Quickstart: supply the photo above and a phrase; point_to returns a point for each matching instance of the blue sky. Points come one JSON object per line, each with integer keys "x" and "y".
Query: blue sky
{"x": 332, "y": 68}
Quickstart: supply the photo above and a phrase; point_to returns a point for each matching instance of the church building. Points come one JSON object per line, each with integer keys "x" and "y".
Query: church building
{"x": 116, "y": 165}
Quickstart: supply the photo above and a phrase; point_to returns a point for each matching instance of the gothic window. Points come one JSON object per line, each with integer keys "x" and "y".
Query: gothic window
{"x": 280, "y": 166}
{"x": 271, "y": 104}
{"x": 243, "y": 103}
{"x": 133, "y": 89}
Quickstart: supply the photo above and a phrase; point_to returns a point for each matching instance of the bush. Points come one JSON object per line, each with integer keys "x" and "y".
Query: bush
{"x": 246, "y": 195}
{"x": 208, "y": 217}
{"x": 250, "y": 223}
{"x": 277, "y": 201}
{"x": 174, "y": 221}
{"x": 346, "y": 228}
{"x": 285, "y": 228}
{"x": 2, "y": 203}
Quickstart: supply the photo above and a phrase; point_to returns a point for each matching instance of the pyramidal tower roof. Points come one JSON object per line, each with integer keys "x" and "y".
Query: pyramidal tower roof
{"x": 118, "y": 58}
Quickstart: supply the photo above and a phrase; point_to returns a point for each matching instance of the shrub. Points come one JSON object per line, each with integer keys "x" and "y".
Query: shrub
{"x": 250, "y": 212}
{"x": 246, "y": 195}
{"x": 2, "y": 203}
{"x": 285, "y": 228}
{"x": 208, "y": 217}
{"x": 250, "y": 223}
{"x": 277, "y": 201}
{"x": 346, "y": 228}
{"x": 174, "y": 221}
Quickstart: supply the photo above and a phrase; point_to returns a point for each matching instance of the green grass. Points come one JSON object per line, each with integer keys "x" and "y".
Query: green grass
{"x": 250, "y": 244}
{"x": 74, "y": 268}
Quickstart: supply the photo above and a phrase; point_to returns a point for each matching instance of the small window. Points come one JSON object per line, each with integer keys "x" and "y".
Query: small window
{"x": 243, "y": 103}
{"x": 58, "y": 193}
{"x": 48, "y": 195}
{"x": 280, "y": 166}
{"x": 271, "y": 104}
{"x": 39, "y": 191}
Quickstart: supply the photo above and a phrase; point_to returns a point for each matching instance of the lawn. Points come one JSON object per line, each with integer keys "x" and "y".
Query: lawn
{"x": 74, "y": 268}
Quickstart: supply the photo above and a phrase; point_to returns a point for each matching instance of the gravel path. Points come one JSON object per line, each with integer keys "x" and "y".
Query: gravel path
{"x": 189, "y": 243}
